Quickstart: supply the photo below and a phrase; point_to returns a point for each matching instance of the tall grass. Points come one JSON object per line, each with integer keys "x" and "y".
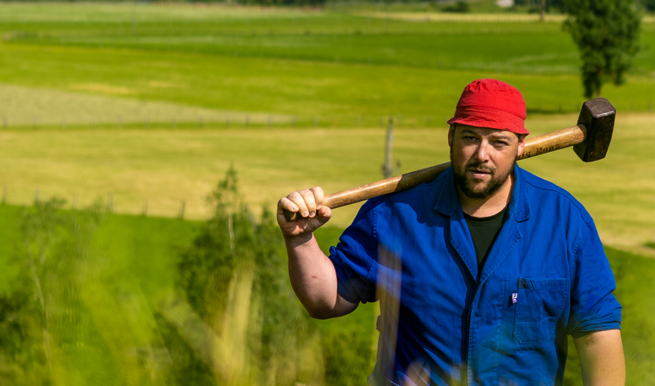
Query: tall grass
{"x": 117, "y": 316}
{"x": 92, "y": 305}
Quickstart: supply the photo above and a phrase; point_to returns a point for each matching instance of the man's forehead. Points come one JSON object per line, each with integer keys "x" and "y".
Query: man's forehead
{"x": 486, "y": 131}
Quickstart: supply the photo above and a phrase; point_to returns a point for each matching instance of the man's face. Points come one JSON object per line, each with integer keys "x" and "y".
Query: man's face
{"x": 482, "y": 158}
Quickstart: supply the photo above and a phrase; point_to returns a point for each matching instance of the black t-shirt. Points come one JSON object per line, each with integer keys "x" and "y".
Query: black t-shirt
{"x": 484, "y": 231}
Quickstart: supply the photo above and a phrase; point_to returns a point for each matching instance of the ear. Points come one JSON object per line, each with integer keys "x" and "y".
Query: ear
{"x": 451, "y": 135}
{"x": 521, "y": 145}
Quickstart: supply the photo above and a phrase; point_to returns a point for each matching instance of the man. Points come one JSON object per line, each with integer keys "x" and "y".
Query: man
{"x": 481, "y": 273}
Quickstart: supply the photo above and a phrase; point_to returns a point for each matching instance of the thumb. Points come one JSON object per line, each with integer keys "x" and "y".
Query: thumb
{"x": 324, "y": 214}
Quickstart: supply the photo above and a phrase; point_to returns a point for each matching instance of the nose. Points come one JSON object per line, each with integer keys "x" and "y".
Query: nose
{"x": 481, "y": 152}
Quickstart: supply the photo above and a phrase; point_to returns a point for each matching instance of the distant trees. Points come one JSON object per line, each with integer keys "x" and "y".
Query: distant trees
{"x": 546, "y": 5}
{"x": 606, "y": 33}
{"x": 458, "y": 7}
{"x": 262, "y": 2}
{"x": 649, "y": 5}
{"x": 274, "y": 2}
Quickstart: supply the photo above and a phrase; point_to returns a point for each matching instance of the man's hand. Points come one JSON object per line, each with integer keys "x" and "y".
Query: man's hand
{"x": 308, "y": 204}
{"x": 601, "y": 358}
{"x": 312, "y": 274}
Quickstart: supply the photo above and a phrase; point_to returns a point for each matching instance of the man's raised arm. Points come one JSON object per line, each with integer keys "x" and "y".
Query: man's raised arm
{"x": 312, "y": 274}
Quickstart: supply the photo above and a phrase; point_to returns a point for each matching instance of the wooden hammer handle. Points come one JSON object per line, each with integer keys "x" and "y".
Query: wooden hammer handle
{"x": 533, "y": 147}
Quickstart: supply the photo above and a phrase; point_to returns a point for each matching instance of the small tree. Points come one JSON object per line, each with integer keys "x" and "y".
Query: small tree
{"x": 234, "y": 277}
{"x": 606, "y": 32}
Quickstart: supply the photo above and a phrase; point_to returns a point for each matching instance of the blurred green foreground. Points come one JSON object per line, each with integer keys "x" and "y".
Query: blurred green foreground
{"x": 92, "y": 298}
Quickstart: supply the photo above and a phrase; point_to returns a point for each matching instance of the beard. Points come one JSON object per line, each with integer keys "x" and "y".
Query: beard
{"x": 469, "y": 188}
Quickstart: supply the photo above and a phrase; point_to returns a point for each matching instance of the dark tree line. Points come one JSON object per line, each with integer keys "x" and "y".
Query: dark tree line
{"x": 316, "y": 3}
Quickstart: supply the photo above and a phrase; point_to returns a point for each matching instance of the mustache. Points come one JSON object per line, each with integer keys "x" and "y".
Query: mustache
{"x": 479, "y": 167}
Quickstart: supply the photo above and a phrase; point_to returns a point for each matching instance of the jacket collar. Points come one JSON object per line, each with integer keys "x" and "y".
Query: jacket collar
{"x": 448, "y": 204}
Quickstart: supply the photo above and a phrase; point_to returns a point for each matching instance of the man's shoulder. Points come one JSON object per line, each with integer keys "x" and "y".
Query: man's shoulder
{"x": 546, "y": 194}
{"x": 415, "y": 194}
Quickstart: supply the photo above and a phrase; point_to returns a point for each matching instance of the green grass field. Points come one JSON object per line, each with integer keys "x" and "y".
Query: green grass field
{"x": 335, "y": 65}
{"x": 150, "y": 105}
{"x": 132, "y": 289}
{"x": 166, "y": 166}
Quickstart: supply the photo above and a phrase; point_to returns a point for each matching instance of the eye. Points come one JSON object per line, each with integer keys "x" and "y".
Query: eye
{"x": 500, "y": 143}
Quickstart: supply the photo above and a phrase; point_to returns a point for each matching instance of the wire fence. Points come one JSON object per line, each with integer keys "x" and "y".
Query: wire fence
{"x": 260, "y": 120}
{"x": 237, "y": 120}
{"x": 243, "y": 119}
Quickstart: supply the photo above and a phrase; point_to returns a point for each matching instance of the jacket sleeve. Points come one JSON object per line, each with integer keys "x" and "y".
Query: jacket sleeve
{"x": 355, "y": 255}
{"x": 593, "y": 305}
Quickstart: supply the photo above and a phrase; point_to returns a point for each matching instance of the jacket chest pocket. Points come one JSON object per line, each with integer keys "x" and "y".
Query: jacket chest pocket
{"x": 539, "y": 303}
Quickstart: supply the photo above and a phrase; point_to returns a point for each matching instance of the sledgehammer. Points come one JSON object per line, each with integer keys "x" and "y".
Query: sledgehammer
{"x": 590, "y": 139}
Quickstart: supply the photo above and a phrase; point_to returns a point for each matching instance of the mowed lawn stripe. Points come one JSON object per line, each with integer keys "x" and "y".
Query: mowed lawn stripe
{"x": 167, "y": 166}
{"x": 284, "y": 86}
{"x": 530, "y": 48}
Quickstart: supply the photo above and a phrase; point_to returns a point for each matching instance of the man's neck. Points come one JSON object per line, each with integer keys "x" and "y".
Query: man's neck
{"x": 488, "y": 206}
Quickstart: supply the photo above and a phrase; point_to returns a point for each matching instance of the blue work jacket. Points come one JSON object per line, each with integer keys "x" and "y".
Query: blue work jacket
{"x": 442, "y": 322}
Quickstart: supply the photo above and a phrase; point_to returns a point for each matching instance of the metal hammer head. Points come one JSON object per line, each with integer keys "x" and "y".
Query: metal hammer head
{"x": 598, "y": 117}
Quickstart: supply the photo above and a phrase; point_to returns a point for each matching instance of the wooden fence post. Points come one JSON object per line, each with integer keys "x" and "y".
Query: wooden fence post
{"x": 182, "y": 207}
{"x": 386, "y": 168}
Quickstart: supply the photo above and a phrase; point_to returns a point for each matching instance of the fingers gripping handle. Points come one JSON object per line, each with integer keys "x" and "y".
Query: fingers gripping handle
{"x": 291, "y": 216}
{"x": 328, "y": 201}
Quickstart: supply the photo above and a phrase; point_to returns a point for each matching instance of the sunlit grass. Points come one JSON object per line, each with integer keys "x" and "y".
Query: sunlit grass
{"x": 166, "y": 166}
{"x": 35, "y": 108}
{"x": 278, "y": 86}
{"x": 142, "y": 12}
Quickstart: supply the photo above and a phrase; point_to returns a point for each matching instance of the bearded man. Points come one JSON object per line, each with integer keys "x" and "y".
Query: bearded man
{"x": 481, "y": 273}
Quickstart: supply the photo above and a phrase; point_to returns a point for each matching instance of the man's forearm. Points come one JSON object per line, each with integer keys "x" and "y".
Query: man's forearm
{"x": 314, "y": 279}
{"x": 601, "y": 358}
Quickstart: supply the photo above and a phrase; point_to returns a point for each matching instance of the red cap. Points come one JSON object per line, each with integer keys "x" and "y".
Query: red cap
{"x": 493, "y": 104}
